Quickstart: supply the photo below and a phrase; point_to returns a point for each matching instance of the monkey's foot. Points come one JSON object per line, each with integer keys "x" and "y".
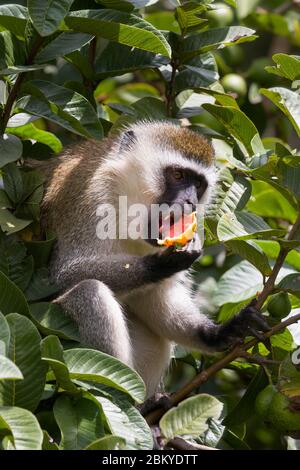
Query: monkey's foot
{"x": 158, "y": 400}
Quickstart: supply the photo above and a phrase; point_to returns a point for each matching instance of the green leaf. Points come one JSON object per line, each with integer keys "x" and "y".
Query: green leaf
{"x": 231, "y": 439}
{"x": 289, "y": 174}
{"x": 15, "y": 69}
{"x": 117, "y": 59}
{"x": 41, "y": 250}
{"x": 271, "y": 249}
{"x": 12, "y": 50}
{"x": 163, "y": 20}
{"x": 24, "y": 351}
{"x": 239, "y": 283}
{"x": 63, "y": 44}
{"x": 244, "y": 408}
{"x": 20, "y": 119}
{"x": 8, "y": 370}
{"x": 13, "y": 182}
{"x": 48, "y": 442}
{"x": 10, "y": 149}
{"x": 79, "y": 421}
{"x": 14, "y": 17}
{"x": 147, "y": 109}
{"x": 96, "y": 366}
{"x": 251, "y": 252}
{"x": 287, "y": 66}
{"x": 52, "y": 353}
{"x": 239, "y": 126}
{"x": 214, "y": 39}
{"x": 15, "y": 263}
{"x": 4, "y": 200}
{"x": 51, "y": 320}
{"x": 4, "y": 335}
{"x": 290, "y": 283}
{"x": 107, "y": 443}
{"x": 123, "y": 5}
{"x": 267, "y": 201}
{"x": 120, "y": 27}
{"x": 190, "y": 416}
{"x": 11, "y": 297}
{"x": 125, "y": 421}
{"x": 22, "y": 426}
{"x": 231, "y": 194}
{"x": 188, "y": 17}
{"x": 62, "y": 106}
{"x": 283, "y": 340}
{"x": 40, "y": 286}
{"x": 30, "y": 132}
{"x": 244, "y": 225}
{"x": 287, "y": 101}
{"x": 11, "y": 224}
{"x": 47, "y": 15}
{"x": 201, "y": 71}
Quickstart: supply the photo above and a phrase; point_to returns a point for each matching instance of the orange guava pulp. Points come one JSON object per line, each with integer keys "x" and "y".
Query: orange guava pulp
{"x": 181, "y": 232}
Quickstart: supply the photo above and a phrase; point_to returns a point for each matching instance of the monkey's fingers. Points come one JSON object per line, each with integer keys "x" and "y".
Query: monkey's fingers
{"x": 158, "y": 400}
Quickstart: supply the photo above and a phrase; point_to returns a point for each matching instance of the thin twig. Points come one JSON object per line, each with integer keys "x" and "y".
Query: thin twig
{"x": 257, "y": 359}
{"x": 16, "y": 87}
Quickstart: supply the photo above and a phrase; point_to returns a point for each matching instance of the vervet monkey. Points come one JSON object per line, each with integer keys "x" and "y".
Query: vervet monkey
{"x": 129, "y": 297}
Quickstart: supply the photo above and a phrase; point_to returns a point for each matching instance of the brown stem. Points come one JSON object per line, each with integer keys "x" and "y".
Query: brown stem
{"x": 16, "y": 87}
{"x": 89, "y": 82}
{"x": 170, "y": 89}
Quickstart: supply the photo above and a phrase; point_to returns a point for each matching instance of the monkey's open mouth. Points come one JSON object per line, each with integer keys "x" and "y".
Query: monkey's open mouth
{"x": 168, "y": 224}
{"x": 179, "y": 229}
{"x": 172, "y": 228}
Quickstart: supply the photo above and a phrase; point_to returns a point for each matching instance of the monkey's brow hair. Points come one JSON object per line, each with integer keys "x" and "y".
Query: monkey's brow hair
{"x": 192, "y": 145}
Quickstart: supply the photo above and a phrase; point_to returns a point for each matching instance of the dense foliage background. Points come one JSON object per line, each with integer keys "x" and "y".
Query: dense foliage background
{"x": 80, "y": 69}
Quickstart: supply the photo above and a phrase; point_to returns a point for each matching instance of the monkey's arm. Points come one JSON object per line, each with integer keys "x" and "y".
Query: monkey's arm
{"x": 124, "y": 272}
{"x": 170, "y": 311}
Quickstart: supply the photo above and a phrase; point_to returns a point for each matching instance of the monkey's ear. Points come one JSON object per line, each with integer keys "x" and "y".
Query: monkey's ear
{"x": 126, "y": 140}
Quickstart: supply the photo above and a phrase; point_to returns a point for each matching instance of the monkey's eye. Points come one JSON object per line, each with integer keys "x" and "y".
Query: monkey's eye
{"x": 198, "y": 184}
{"x": 178, "y": 175}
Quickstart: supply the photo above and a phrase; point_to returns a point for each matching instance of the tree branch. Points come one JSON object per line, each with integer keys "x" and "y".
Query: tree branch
{"x": 240, "y": 349}
{"x": 170, "y": 89}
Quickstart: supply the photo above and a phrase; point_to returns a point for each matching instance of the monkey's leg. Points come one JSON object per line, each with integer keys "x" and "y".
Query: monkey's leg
{"x": 100, "y": 319}
{"x": 151, "y": 354}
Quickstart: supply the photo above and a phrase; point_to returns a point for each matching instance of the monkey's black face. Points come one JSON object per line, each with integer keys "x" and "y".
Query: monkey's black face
{"x": 183, "y": 190}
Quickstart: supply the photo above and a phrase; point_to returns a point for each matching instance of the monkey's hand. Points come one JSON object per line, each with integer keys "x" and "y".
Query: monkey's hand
{"x": 173, "y": 260}
{"x": 249, "y": 322}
